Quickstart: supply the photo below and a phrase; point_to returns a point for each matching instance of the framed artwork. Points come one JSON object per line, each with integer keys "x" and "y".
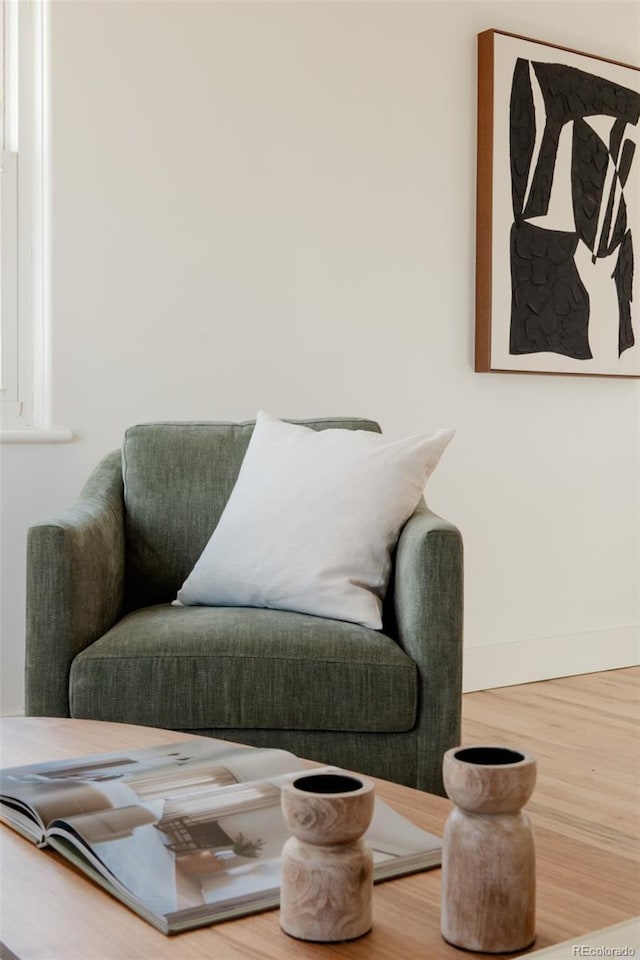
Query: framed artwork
{"x": 558, "y": 210}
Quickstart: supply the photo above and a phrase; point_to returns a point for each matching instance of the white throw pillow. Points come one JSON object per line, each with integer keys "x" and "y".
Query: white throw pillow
{"x": 312, "y": 520}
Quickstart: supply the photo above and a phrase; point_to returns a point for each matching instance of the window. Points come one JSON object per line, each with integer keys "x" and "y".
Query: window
{"x": 23, "y": 224}
{"x": 9, "y": 381}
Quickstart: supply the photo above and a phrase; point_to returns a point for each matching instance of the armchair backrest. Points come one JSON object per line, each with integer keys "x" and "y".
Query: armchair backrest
{"x": 177, "y": 480}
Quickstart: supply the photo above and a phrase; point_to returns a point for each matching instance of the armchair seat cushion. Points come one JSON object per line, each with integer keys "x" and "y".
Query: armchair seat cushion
{"x": 237, "y": 667}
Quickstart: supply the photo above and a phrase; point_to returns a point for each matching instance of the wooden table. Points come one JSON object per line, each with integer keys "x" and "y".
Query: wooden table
{"x": 50, "y": 911}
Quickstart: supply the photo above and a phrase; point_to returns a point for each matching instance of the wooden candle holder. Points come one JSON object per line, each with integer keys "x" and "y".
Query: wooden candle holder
{"x": 327, "y": 869}
{"x": 488, "y": 858}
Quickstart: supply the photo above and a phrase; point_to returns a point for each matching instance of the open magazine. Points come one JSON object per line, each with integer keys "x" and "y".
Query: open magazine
{"x": 188, "y": 833}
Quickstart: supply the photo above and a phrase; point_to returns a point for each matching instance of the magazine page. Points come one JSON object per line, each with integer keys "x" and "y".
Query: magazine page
{"x": 34, "y": 795}
{"x": 398, "y": 845}
{"x": 186, "y": 833}
{"x": 183, "y": 860}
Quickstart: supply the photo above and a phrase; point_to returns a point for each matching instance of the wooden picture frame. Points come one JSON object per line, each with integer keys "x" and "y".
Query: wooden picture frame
{"x": 558, "y": 210}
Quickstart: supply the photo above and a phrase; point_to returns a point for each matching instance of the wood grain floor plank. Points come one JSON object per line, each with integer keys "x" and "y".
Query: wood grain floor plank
{"x": 585, "y": 733}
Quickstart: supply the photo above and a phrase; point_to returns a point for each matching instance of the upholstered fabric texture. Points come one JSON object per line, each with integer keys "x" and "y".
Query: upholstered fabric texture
{"x": 177, "y": 480}
{"x": 75, "y": 585}
{"x": 104, "y": 642}
{"x": 238, "y": 667}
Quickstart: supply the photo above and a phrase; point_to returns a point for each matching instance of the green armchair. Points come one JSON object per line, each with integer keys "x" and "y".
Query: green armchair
{"x": 105, "y": 642}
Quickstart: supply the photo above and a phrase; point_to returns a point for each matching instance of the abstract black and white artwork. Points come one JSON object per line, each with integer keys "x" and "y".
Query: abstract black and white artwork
{"x": 558, "y": 226}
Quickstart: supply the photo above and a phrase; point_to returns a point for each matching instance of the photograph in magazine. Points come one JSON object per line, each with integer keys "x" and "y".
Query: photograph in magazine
{"x": 190, "y": 830}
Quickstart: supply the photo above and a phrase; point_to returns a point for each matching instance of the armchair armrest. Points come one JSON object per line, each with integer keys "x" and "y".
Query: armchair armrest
{"x": 75, "y": 585}
{"x": 428, "y": 606}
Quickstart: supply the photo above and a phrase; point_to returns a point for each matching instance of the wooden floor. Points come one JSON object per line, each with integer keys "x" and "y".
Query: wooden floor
{"x": 585, "y": 733}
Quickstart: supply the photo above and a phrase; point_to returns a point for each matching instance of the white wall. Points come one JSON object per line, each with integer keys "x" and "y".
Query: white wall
{"x": 272, "y": 205}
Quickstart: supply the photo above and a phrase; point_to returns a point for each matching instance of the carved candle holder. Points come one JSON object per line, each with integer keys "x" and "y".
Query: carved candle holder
{"x": 327, "y": 869}
{"x": 488, "y": 857}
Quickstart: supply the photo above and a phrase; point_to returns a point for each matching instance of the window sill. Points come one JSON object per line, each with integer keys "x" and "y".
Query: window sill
{"x": 35, "y": 435}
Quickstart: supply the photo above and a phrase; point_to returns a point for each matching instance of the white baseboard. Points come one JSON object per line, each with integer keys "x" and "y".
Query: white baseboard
{"x": 525, "y": 661}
